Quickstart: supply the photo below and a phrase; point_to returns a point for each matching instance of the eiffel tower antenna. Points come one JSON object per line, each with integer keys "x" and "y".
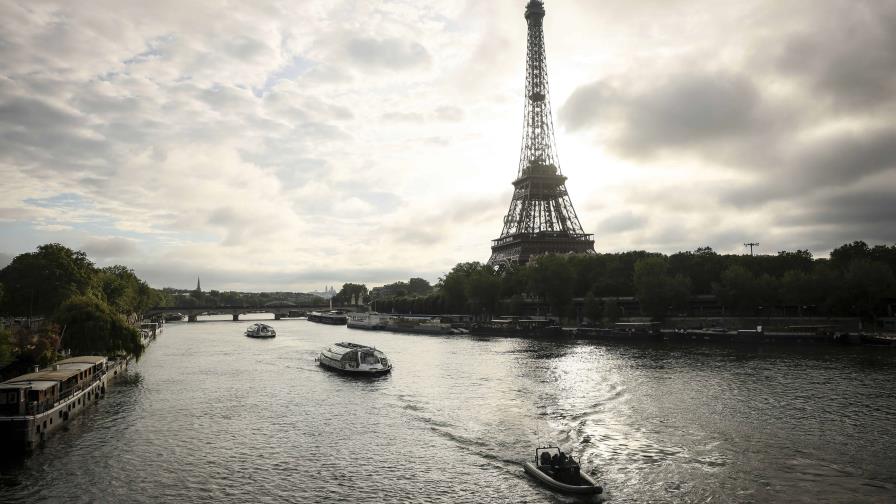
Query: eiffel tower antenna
{"x": 541, "y": 218}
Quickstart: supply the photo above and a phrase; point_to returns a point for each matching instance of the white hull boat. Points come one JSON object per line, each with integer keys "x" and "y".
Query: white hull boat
{"x": 352, "y": 358}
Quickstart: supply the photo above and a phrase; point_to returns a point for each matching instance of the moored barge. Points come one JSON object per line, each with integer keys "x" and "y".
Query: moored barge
{"x": 330, "y": 317}
{"x": 36, "y": 404}
{"x": 367, "y": 320}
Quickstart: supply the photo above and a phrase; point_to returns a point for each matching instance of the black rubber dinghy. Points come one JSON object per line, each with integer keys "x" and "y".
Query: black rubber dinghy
{"x": 554, "y": 469}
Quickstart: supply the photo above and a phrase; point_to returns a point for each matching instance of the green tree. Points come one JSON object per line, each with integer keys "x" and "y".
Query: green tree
{"x": 738, "y": 289}
{"x": 592, "y": 309}
{"x": 125, "y": 292}
{"x": 552, "y": 276}
{"x": 453, "y": 286}
{"x": 419, "y": 287}
{"x": 483, "y": 289}
{"x": 6, "y": 355}
{"x": 350, "y": 292}
{"x": 657, "y": 290}
{"x": 843, "y": 256}
{"x": 39, "y": 282}
{"x": 91, "y": 327}
{"x": 867, "y": 284}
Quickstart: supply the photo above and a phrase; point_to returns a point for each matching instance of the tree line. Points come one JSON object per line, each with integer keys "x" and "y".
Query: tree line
{"x": 185, "y": 298}
{"x": 856, "y": 280}
{"x": 84, "y": 308}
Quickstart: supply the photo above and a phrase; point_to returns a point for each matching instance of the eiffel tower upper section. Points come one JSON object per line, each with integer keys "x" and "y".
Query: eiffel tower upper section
{"x": 541, "y": 218}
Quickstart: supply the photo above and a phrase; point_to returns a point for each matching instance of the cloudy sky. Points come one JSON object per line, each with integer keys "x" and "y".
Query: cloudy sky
{"x": 293, "y": 144}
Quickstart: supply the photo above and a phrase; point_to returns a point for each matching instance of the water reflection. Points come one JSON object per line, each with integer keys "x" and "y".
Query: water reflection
{"x": 210, "y": 415}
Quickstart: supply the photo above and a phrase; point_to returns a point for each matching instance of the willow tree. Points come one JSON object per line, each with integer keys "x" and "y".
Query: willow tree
{"x": 90, "y": 326}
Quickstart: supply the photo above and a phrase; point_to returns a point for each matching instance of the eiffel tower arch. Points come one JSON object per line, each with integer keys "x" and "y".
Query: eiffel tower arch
{"x": 541, "y": 218}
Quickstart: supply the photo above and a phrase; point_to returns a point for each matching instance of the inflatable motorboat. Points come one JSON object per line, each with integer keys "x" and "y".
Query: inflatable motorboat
{"x": 556, "y": 470}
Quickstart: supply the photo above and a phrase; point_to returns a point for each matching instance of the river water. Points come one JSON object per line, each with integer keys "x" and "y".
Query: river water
{"x": 208, "y": 415}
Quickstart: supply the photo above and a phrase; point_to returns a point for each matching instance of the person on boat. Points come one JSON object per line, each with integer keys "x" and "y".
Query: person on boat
{"x": 545, "y": 459}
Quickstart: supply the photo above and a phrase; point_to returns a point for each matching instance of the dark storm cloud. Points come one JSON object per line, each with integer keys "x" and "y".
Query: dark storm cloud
{"x": 848, "y": 57}
{"x": 387, "y": 53}
{"x": 838, "y": 160}
{"x": 876, "y": 208}
{"x": 837, "y": 66}
{"x": 685, "y": 111}
{"x": 849, "y": 157}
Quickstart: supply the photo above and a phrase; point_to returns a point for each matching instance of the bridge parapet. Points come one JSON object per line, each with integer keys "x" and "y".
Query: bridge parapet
{"x": 235, "y": 311}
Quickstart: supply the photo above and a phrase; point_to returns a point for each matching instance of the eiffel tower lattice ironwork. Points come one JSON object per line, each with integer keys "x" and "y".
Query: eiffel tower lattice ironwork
{"x": 541, "y": 218}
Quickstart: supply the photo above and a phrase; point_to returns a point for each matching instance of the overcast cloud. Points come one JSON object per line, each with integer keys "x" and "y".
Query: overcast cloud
{"x": 271, "y": 145}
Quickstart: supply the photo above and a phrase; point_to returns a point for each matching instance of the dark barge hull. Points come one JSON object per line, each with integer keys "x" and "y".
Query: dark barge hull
{"x": 328, "y": 320}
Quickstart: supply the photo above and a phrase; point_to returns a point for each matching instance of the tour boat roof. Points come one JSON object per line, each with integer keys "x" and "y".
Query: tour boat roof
{"x": 89, "y": 359}
{"x": 344, "y": 347}
{"x": 81, "y": 366}
{"x": 33, "y": 385}
{"x": 47, "y": 375}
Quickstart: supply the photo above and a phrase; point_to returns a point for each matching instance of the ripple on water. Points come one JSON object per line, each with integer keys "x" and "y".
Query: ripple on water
{"x": 208, "y": 415}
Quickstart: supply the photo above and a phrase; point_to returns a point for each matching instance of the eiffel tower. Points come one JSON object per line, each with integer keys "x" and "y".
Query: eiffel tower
{"x": 541, "y": 218}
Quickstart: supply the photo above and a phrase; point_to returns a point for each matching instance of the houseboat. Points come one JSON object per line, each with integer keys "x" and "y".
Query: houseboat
{"x": 515, "y": 326}
{"x": 260, "y": 330}
{"x": 367, "y": 320}
{"x": 36, "y": 404}
{"x": 421, "y": 325}
{"x": 355, "y": 359}
{"x": 330, "y": 317}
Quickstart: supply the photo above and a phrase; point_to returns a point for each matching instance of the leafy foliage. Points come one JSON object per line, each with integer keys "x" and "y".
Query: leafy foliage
{"x": 350, "y": 292}
{"x": 39, "y": 282}
{"x": 92, "y": 327}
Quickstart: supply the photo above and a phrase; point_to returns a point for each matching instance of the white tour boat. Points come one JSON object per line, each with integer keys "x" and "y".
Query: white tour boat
{"x": 355, "y": 359}
{"x": 260, "y": 330}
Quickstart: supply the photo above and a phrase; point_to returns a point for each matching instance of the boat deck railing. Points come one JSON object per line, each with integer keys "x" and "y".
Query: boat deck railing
{"x": 36, "y": 408}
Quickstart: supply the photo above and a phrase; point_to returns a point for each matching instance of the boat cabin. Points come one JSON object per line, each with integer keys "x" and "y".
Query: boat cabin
{"x": 36, "y": 392}
{"x": 353, "y": 355}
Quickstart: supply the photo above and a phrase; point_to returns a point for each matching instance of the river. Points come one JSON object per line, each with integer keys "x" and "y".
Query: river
{"x": 208, "y": 415}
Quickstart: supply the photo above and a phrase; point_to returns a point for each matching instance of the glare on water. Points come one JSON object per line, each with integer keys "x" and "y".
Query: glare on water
{"x": 208, "y": 415}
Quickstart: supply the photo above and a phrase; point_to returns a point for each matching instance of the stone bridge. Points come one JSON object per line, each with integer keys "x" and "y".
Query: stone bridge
{"x": 279, "y": 311}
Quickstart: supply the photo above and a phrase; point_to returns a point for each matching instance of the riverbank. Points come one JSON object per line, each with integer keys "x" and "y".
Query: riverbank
{"x": 740, "y": 336}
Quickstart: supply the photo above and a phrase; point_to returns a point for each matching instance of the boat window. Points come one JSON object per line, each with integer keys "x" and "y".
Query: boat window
{"x": 368, "y": 358}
